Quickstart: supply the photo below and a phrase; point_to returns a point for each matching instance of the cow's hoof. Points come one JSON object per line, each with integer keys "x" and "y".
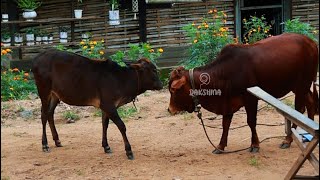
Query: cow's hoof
{"x": 217, "y": 151}
{"x": 284, "y": 146}
{"x": 58, "y": 143}
{"x": 107, "y": 150}
{"x": 45, "y": 148}
{"x": 130, "y": 155}
{"x": 254, "y": 149}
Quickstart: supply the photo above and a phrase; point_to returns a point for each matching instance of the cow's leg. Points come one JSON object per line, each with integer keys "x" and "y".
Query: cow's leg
{"x": 114, "y": 116}
{"x": 52, "y": 106}
{"x": 311, "y": 105}
{"x": 251, "y": 106}
{"x": 105, "y": 124}
{"x": 299, "y": 104}
{"x": 44, "y": 119}
{"x": 226, "y": 121}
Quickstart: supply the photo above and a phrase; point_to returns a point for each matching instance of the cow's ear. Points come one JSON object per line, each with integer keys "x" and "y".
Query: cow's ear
{"x": 178, "y": 83}
{"x": 177, "y": 72}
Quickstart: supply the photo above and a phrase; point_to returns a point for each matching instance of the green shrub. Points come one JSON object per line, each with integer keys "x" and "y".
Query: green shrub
{"x": 256, "y": 29}
{"x": 296, "y": 26}
{"x": 207, "y": 38}
{"x": 16, "y": 85}
{"x": 136, "y": 52}
{"x": 71, "y": 115}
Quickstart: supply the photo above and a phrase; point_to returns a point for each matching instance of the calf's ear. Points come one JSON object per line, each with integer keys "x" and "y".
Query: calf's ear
{"x": 177, "y": 84}
{"x": 136, "y": 66}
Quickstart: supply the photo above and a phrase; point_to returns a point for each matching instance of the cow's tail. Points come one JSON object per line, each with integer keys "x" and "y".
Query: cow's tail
{"x": 315, "y": 98}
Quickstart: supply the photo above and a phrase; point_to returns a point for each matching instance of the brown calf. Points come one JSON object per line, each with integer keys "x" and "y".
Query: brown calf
{"x": 77, "y": 80}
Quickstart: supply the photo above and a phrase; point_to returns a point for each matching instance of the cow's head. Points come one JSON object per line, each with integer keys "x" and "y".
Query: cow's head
{"x": 148, "y": 74}
{"x": 179, "y": 87}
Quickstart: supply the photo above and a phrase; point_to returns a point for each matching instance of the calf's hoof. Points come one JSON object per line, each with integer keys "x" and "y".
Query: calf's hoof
{"x": 254, "y": 149}
{"x": 284, "y": 145}
{"x": 58, "y": 143}
{"x": 217, "y": 151}
{"x": 130, "y": 156}
{"x": 107, "y": 150}
{"x": 45, "y": 148}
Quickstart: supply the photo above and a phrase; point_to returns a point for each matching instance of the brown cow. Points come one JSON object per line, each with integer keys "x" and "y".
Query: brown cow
{"x": 278, "y": 65}
{"x": 77, "y": 80}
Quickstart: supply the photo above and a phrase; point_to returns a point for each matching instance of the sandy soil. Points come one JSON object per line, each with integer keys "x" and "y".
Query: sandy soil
{"x": 165, "y": 147}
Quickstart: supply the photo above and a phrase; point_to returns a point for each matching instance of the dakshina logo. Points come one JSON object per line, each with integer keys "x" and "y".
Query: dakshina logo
{"x": 204, "y": 80}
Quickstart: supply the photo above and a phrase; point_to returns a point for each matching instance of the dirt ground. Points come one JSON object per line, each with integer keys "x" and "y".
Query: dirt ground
{"x": 165, "y": 147}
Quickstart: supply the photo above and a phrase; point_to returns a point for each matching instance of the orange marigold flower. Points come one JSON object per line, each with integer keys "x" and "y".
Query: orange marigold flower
{"x": 210, "y": 11}
{"x": 160, "y": 50}
{"x": 215, "y": 10}
{"x": 151, "y": 50}
{"x": 101, "y": 52}
{"x": 3, "y": 52}
{"x": 199, "y": 26}
{"x": 8, "y": 50}
{"x": 193, "y": 24}
{"x": 94, "y": 42}
{"x": 195, "y": 41}
{"x": 26, "y": 74}
{"x": 206, "y": 26}
{"x": 25, "y": 80}
{"x": 82, "y": 42}
{"x": 15, "y": 70}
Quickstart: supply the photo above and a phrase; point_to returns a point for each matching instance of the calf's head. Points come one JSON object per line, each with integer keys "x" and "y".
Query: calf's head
{"x": 148, "y": 75}
{"x": 179, "y": 87}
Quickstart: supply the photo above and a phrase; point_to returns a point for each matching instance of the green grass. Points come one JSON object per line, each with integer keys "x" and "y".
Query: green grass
{"x": 71, "y": 115}
{"x": 253, "y": 161}
{"x": 126, "y": 112}
{"x": 288, "y": 102}
{"x": 97, "y": 113}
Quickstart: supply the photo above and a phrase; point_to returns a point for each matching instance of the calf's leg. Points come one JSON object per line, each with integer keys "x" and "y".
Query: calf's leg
{"x": 226, "y": 121}
{"x": 52, "y": 106}
{"x": 105, "y": 124}
{"x": 44, "y": 119}
{"x": 114, "y": 116}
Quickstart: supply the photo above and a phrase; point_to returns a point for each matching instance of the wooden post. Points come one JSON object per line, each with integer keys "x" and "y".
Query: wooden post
{"x": 142, "y": 20}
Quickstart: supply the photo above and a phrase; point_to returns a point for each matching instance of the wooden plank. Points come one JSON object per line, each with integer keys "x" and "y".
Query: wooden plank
{"x": 312, "y": 158}
{"x": 294, "y": 116}
{"x": 302, "y": 158}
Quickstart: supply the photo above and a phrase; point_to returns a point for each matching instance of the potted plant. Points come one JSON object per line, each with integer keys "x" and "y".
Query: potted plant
{"x": 5, "y": 37}
{"x": 50, "y": 38}
{"x": 38, "y": 35}
{"x": 44, "y": 36}
{"x": 29, "y": 6}
{"x": 5, "y": 17}
{"x": 114, "y": 14}
{"x": 18, "y": 39}
{"x": 63, "y": 34}
{"x": 78, "y": 11}
{"x": 85, "y": 36}
{"x": 30, "y": 36}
